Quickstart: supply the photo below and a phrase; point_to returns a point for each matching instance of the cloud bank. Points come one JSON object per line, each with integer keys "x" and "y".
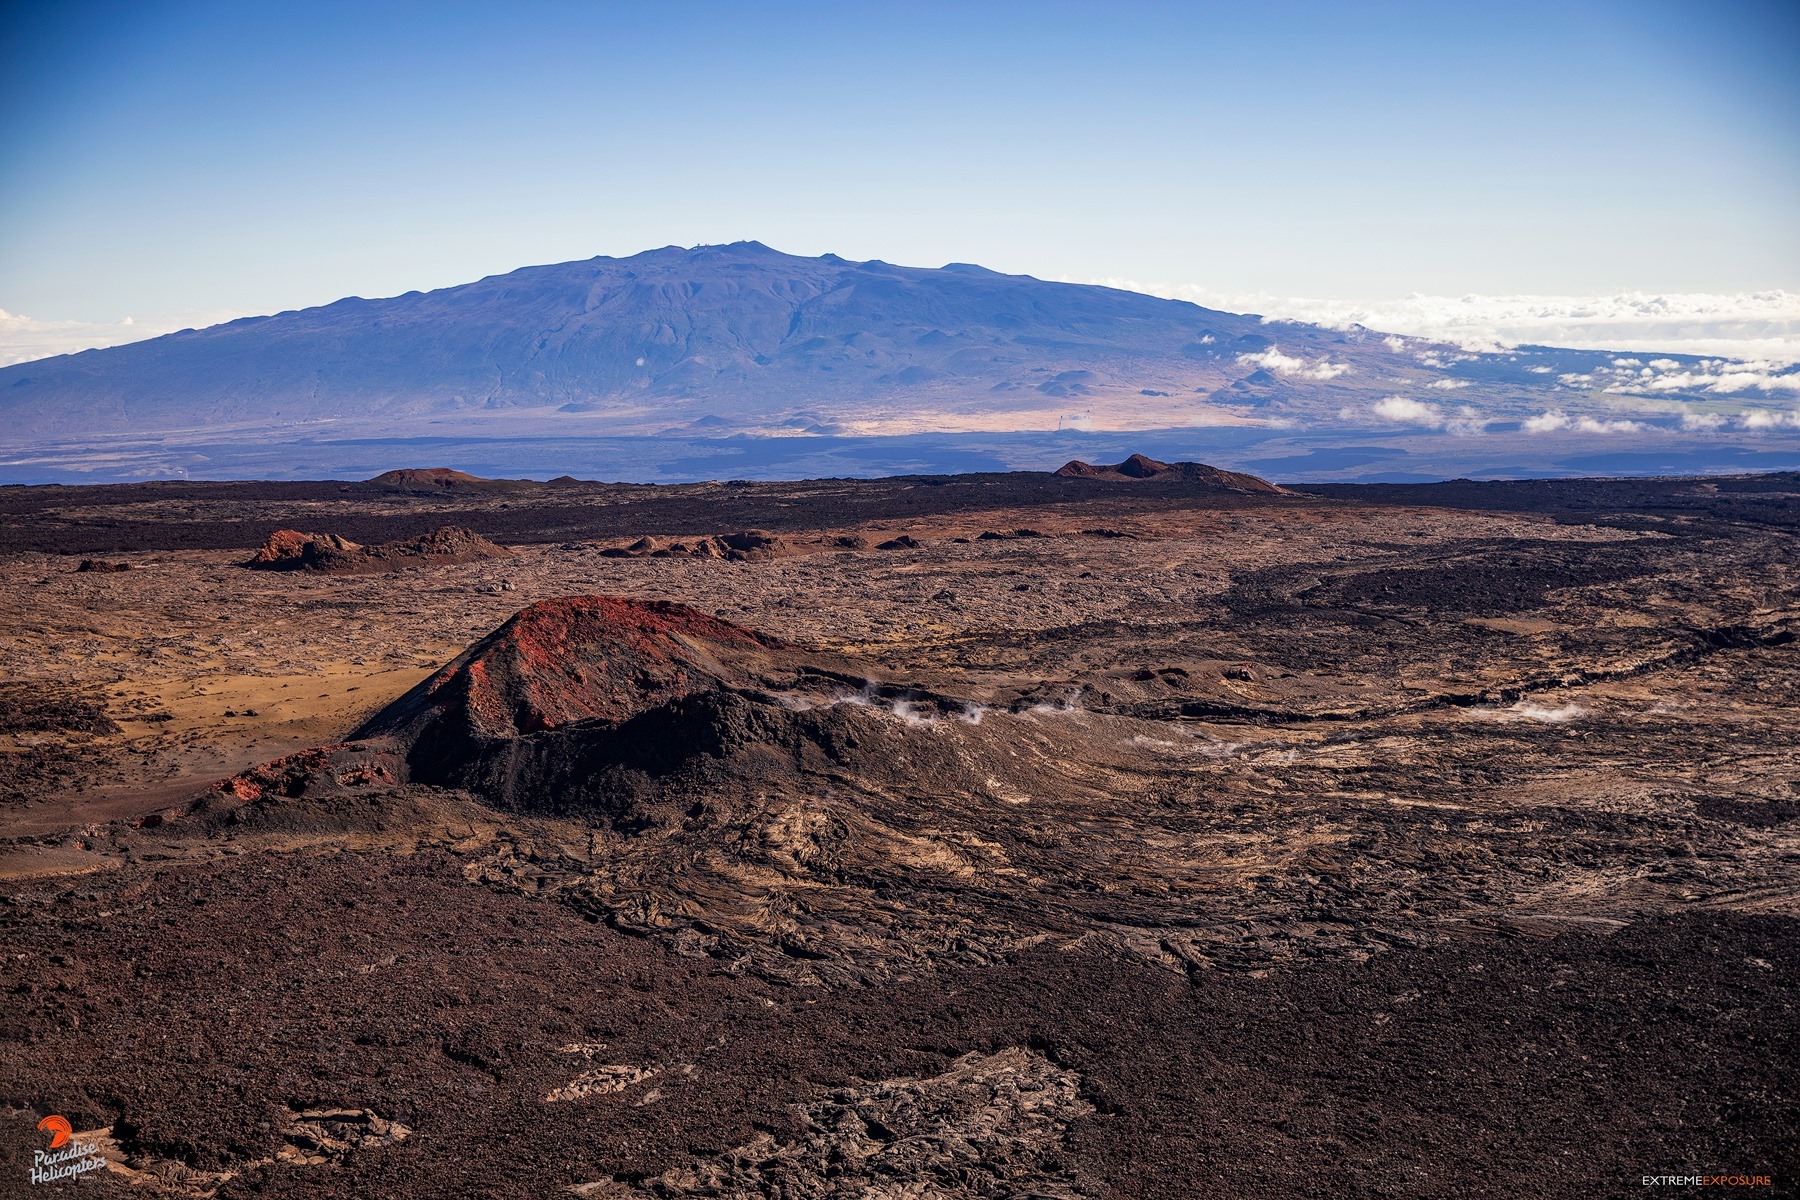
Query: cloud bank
{"x": 23, "y": 339}
{"x": 1762, "y": 325}
{"x": 1708, "y": 378}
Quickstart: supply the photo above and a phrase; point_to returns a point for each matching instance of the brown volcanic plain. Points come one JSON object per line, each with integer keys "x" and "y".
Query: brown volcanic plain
{"x": 1132, "y": 831}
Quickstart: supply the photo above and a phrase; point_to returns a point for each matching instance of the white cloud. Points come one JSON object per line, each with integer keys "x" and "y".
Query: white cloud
{"x": 1770, "y": 418}
{"x": 1466, "y": 423}
{"x": 23, "y": 339}
{"x": 1397, "y": 345}
{"x": 1596, "y": 425}
{"x": 1552, "y": 421}
{"x": 1748, "y": 325}
{"x": 1403, "y": 410}
{"x": 1442, "y": 362}
{"x": 1449, "y": 384}
{"x": 1411, "y": 412}
{"x": 1701, "y": 421}
{"x": 1274, "y": 360}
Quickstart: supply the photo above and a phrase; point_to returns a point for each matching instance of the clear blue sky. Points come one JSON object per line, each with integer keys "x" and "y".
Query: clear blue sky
{"x": 163, "y": 157}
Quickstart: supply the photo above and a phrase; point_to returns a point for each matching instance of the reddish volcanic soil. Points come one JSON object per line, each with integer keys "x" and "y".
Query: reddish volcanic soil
{"x": 1125, "y": 833}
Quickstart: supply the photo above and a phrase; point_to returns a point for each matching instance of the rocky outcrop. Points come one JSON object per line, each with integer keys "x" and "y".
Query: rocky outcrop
{"x": 321, "y": 1136}
{"x": 750, "y": 545}
{"x": 451, "y": 544}
{"x": 327, "y": 553}
{"x": 292, "y": 550}
{"x": 989, "y": 1125}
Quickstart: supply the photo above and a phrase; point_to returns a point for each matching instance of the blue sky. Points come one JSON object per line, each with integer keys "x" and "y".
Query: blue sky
{"x": 195, "y": 157}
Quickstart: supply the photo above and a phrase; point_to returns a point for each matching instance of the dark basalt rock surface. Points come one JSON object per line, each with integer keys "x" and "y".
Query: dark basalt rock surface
{"x": 1271, "y": 845}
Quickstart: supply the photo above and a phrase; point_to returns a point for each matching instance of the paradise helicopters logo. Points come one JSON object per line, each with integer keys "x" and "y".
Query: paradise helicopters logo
{"x": 66, "y": 1158}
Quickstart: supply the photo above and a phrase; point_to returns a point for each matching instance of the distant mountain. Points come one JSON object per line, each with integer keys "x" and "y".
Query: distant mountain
{"x": 718, "y": 341}
{"x": 714, "y": 340}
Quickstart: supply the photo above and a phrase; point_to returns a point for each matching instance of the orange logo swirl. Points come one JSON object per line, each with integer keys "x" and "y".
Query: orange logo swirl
{"x": 58, "y": 1128}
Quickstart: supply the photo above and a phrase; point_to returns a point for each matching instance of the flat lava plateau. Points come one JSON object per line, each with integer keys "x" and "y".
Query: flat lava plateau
{"x": 1132, "y": 831}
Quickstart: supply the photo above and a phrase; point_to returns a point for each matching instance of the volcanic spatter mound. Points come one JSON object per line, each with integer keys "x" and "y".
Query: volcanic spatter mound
{"x": 588, "y": 658}
{"x": 608, "y": 704}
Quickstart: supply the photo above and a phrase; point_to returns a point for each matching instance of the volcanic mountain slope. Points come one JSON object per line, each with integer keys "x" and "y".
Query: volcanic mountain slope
{"x": 719, "y": 339}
